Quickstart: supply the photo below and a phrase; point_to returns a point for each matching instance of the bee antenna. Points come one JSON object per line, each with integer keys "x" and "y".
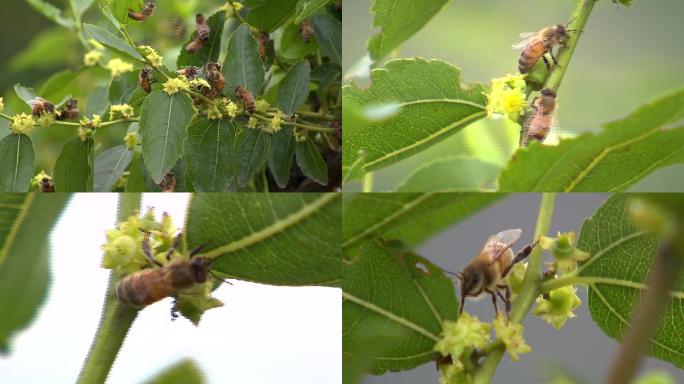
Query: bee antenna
{"x": 571, "y": 20}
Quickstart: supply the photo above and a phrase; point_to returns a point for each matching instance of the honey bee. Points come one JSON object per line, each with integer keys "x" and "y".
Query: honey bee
{"x": 486, "y": 272}
{"x": 539, "y": 123}
{"x": 148, "y": 286}
{"x": 203, "y": 32}
{"x": 247, "y": 98}
{"x": 307, "y": 30}
{"x": 263, "y": 40}
{"x": 146, "y": 12}
{"x": 70, "y": 110}
{"x": 177, "y": 29}
{"x": 40, "y": 106}
{"x": 190, "y": 73}
{"x": 194, "y": 46}
{"x": 46, "y": 185}
{"x": 145, "y": 79}
{"x": 168, "y": 184}
{"x": 536, "y": 45}
{"x": 215, "y": 78}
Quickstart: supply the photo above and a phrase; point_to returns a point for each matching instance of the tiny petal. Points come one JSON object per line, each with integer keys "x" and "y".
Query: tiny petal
{"x": 21, "y": 124}
{"x": 468, "y": 331}
{"x": 252, "y": 123}
{"x": 172, "y": 86}
{"x": 558, "y": 308}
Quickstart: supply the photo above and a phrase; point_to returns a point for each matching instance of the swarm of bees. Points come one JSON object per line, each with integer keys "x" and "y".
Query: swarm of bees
{"x": 150, "y": 285}
{"x": 144, "y": 13}
{"x": 203, "y": 32}
{"x": 487, "y": 271}
{"x": 247, "y": 98}
{"x": 533, "y": 47}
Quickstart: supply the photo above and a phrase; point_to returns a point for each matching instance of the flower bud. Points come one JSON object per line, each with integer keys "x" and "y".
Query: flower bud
{"x": 558, "y": 307}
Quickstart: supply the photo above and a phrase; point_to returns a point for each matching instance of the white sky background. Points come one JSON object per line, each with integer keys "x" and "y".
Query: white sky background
{"x": 262, "y": 334}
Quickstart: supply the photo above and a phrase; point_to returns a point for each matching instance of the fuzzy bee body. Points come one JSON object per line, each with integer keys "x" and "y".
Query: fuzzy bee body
{"x": 307, "y": 30}
{"x": 263, "y": 45}
{"x": 203, "y": 33}
{"x": 215, "y": 78}
{"x": 148, "y": 286}
{"x": 40, "y": 106}
{"x": 190, "y": 73}
{"x": 539, "y": 124}
{"x": 535, "y": 45}
{"x": 145, "y": 79}
{"x": 70, "y": 110}
{"x": 247, "y": 98}
{"x": 486, "y": 272}
{"x": 146, "y": 12}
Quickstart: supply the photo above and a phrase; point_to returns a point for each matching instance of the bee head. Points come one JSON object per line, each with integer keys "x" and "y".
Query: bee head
{"x": 548, "y": 92}
{"x": 472, "y": 281}
{"x": 200, "y": 268}
{"x": 562, "y": 30}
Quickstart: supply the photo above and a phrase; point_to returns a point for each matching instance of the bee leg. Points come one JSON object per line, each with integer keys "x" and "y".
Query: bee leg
{"x": 496, "y": 309}
{"x": 522, "y": 255}
{"x": 506, "y": 299}
{"x": 147, "y": 250}
{"x": 199, "y": 249}
{"x": 546, "y": 63}
{"x": 174, "y": 246}
{"x": 554, "y": 59}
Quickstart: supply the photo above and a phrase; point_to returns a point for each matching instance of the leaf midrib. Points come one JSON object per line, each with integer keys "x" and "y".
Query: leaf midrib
{"x": 16, "y": 225}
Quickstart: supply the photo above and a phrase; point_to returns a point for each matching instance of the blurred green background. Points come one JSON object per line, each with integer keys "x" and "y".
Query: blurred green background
{"x": 627, "y": 57}
{"x": 35, "y": 49}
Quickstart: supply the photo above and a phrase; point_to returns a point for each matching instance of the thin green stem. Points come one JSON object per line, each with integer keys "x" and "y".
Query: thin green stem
{"x": 560, "y": 282}
{"x": 116, "y": 318}
{"x": 368, "y": 182}
{"x": 579, "y": 18}
{"x": 69, "y": 124}
{"x": 319, "y": 116}
{"x": 529, "y": 292}
{"x": 309, "y": 127}
{"x": 236, "y": 14}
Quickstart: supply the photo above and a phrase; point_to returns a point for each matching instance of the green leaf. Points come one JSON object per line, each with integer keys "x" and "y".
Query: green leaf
{"x": 26, "y": 94}
{"x": 452, "y": 174}
{"x": 252, "y": 147}
{"x": 297, "y": 235}
{"x": 162, "y": 126}
{"x": 16, "y": 163}
{"x": 326, "y": 75}
{"x": 311, "y": 162}
{"x": 136, "y": 177}
{"x": 411, "y": 217}
{"x": 209, "y": 154}
{"x": 120, "y": 9}
{"x": 398, "y": 20}
{"x": 185, "y": 371}
{"x": 74, "y": 167}
{"x": 243, "y": 64}
{"x": 98, "y": 101}
{"x": 294, "y": 89}
{"x": 623, "y": 153}
{"x": 271, "y": 14}
{"x": 410, "y": 105}
{"x": 328, "y": 31}
{"x": 616, "y": 273}
{"x": 107, "y": 39}
{"x": 389, "y": 288}
{"x": 281, "y": 156}
{"x": 210, "y": 50}
{"x": 80, "y": 6}
{"x": 46, "y": 51}
{"x": 306, "y": 8}
{"x": 292, "y": 45}
{"x": 51, "y": 12}
{"x": 110, "y": 165}
{"x": 60, "y": 86}
{"x": 24, "y": 272}
{"x": 122, "y": 88}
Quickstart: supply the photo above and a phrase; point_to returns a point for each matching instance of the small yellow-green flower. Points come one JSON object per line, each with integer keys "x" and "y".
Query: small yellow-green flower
{"x": 119, "y": 67}
{"x": 95, "y": 44}
{"x": 92, "y": 58}
{"x": 21, "y": 124}
{"x": 2, "y": 104}
{"x": 559, "y": 306}
{"x": 299, "y": 134}
{"x": 507, "y": 97}
{"x": 252, "y": 123}
{"x": 235, "y": 6}
{"x": 152, "y": 55}
{"x": 199, "y": 83}
{"x": 131, "y": 139}
{"x": 467, "y": 332}
{"x": 453, "y": 374}
{"x": 125, "y": 110}
{"x": 214, "y": 113}
{"x": 173, "y": 86}
{"x": 563, "y": 250}
{"x": 261, "y": 106}
{"x": 38, "y": 179}
{"x": 96, "y": 121}
{"x": 656, "y": 377}
{"x": 85, "y": 133}
{"x": 46, "y": 119}
{"x": 230, "y": 107}
{"x": 277, "y": 121}
{"x": 512, "y": 337}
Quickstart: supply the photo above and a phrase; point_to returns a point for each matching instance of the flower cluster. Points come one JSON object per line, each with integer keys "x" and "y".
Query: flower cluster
{"x": 2, "y": 104}
{"x": 512, "y": 337}
{"x": 563, "y": 250}
{"x": 199, "y": 83}
{"x": 125, "y": 110}
{"x": 93, "y": 58}
{"x": 46, "y": 119}
{"x": 277, "y": 121}
{"x": 21, "y": 124}
{"x": 38, "y": 179}
{"x": 507, "y": 97}
{"x": 152, "y": 56}
{"x": 557, "y": 307}
{"x": 261, "y": 106}
{"x": 131, "y": 139}
{"x": 252, "y": 123}
{"x": 118, "y": 67}
{"x": 214, "y": 112}
{"x": 174, "y": 85}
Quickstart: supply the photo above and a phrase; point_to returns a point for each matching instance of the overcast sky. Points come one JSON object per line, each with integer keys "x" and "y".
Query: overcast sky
{"x": 263, "y": 334}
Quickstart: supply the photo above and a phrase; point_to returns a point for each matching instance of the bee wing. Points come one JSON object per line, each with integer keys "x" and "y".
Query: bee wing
{"x": 554, "y": 132}
{"x": 497, "y": 244}
{"x": 527, "y": 38}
